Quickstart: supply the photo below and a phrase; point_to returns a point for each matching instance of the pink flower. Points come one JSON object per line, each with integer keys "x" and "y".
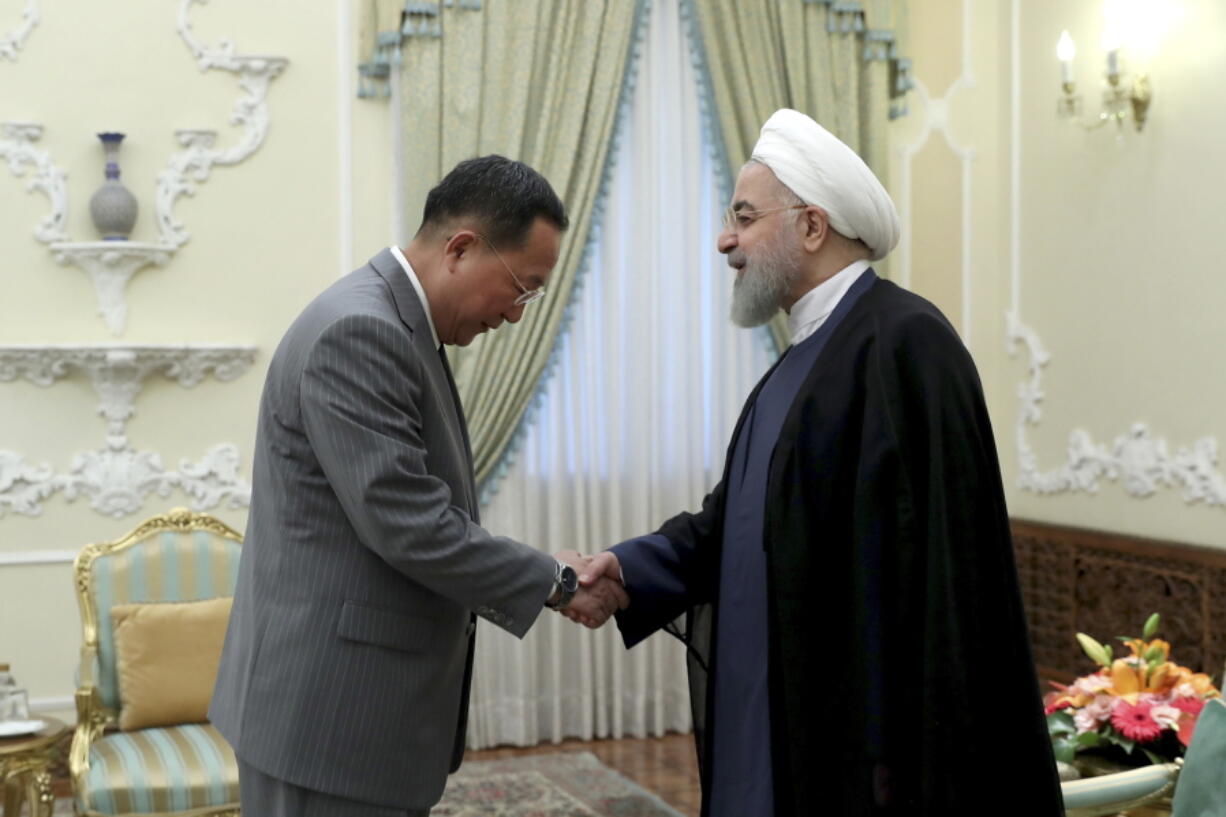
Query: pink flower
{"x": 1187, "y": 728}
{"x": 1166, "y": 716}
{"x": 1134, "y": 721}
{"x": 1192, "y": 706}
{"x": 1090, "y": 684}
{"x": 1057, "y": 706}
{"x": 1093, "y": 714}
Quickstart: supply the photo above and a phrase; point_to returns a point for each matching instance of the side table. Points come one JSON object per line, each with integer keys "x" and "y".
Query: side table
{"x": 25, "y": 769}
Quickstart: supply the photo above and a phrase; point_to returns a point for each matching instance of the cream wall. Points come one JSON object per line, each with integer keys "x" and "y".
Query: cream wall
{"x": 266, "y": 235}
{"x": 1104, "y": 246}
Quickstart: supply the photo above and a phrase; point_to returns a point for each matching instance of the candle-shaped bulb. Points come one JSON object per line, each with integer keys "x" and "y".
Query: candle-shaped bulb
{"x": 1065, "y": 51}
{"x": 1111, "y": 44}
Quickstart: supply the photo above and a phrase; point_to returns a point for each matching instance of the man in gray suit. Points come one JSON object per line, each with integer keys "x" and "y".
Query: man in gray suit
{"x": 344, "y": 679}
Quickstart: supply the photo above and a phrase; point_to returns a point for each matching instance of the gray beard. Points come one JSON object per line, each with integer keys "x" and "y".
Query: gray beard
{"x": 759, "y": 290}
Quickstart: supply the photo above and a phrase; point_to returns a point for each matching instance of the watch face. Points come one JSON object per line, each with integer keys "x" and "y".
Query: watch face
{"x": 570, "y": 579}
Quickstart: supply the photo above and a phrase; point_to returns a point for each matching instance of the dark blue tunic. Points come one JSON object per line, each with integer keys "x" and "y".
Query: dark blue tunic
{"x": 741, "y": 740}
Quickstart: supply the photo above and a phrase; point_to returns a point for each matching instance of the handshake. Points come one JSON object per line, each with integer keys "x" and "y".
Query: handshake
{"x": 600, "y": 593}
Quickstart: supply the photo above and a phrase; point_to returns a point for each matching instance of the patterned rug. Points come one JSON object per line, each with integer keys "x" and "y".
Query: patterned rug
{"x": 566, "y": 784}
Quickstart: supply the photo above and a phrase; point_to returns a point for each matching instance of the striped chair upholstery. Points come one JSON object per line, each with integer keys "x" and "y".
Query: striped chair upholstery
{"x": 159, "y": 771}
{"x": 185, "y": 769}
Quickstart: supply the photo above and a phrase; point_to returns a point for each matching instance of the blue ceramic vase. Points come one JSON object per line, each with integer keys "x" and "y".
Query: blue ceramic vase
{"x": 113, "y": 207}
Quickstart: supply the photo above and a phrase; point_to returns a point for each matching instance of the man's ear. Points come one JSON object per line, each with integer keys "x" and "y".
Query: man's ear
{"x": 459, "y": 243}
{"x": 816, "y": 227}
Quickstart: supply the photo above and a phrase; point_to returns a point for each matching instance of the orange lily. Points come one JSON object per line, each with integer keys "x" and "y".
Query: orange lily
{"x": 1128, "y": 678}
{"x": 1141, "y": 648}
{"x": 1199, "y": 681}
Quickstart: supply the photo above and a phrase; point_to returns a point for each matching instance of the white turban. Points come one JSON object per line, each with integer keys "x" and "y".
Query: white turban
{"x": 823, "y": 171}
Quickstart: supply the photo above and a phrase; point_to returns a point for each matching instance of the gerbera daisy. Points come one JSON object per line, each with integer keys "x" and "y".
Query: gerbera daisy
{"x": 1134, "y": 721}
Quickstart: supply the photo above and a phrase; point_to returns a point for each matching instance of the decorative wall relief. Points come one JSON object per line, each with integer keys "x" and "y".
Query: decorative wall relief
{"x": 117, "y": 478}
{"x": 936, "y": 118}
{"x": 17, "y": 148}
{"x": 110, "y": 264}
{"x": 12, "y": 42}
{"x": 198, "y": 157}
{"x": 1141, "y": 463}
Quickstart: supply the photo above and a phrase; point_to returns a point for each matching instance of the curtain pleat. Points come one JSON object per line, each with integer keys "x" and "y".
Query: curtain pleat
{"x": 633, "y": 424}
{"x": 540, "y": 81}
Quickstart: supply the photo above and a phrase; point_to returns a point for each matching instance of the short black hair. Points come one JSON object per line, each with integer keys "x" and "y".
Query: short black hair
{"x": 504, "y": 196}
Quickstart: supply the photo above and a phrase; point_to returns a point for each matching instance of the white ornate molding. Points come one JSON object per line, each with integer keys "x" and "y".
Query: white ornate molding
{"x": 196, "y": 161}
{"x": 1141, "y": 463}
{"x": 15, "y": 558}
{"x": 117, "y": 477}
{"x": 12, "y": 42}
{"x": 110, "y": 264}
{"x": 936, "y": 118}
{"x": 17, "y": 148}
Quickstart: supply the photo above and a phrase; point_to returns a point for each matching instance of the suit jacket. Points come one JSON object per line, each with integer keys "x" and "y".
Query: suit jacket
{"x": 347, "y": 661}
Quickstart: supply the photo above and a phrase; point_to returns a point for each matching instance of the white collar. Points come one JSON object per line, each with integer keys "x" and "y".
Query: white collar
{"x": 421, "y": 293}
{"x": 811, "y": 311}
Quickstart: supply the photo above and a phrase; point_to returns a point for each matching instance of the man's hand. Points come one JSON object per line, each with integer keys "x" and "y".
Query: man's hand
{"x": 600, "y": 595}
{"x": 603, "y": 564}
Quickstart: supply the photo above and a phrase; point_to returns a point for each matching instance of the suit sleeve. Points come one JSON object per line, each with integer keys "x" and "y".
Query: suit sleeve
{"x": 670, "y": 571}
{"x": 360, "y": 394}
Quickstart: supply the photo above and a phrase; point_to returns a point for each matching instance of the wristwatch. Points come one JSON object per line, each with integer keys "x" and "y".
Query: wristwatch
{"x": 565, "y": 583}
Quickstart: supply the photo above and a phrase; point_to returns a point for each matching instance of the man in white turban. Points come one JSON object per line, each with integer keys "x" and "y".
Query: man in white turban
{"x": 856, "y": 636}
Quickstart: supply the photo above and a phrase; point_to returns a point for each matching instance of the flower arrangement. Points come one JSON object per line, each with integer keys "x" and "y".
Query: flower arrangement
{"x": 1141, "y": 702}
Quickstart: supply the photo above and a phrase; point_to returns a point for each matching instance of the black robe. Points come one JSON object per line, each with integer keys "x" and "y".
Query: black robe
{"x": 901, "y": 675}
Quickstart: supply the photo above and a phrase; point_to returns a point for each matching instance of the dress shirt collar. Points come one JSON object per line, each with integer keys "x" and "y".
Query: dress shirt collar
{"x": 421, "y": 293}
{"x": 811, "y": 311}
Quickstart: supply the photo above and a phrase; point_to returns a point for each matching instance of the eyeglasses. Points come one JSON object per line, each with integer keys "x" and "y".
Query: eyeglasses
{"x": 735, "y": 220}
{"x": 526, "y": 296}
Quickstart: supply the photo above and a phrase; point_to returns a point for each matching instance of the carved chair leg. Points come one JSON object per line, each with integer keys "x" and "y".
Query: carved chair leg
{"x": 41, "y": 798}
{"x": 13, "y": 794}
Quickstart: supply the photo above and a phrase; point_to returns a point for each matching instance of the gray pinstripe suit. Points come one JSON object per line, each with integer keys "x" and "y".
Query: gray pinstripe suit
{"x": 347, "y": 662}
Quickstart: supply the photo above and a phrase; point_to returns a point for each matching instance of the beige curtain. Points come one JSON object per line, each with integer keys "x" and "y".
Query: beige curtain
{"x": 536, "y": 80}
{"x": 835, "y": 61}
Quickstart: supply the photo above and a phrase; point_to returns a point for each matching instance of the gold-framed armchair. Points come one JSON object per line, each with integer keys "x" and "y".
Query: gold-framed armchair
{"x": 175, "y": 560}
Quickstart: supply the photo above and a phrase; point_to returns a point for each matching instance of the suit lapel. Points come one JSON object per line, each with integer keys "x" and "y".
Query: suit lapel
{"x": 468, "y": 449}
{"x": 434, "y": 363}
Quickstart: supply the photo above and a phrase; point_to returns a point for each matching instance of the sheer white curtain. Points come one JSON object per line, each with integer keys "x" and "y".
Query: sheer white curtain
{"x": 633, "y": 424}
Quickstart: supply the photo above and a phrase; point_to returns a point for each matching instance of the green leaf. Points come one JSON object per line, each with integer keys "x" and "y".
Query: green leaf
{"x": 1111, "y": 736}
{"x": 1093, "y": 649}
{"x": 1154, "y": 655}
{"x": 1064, "y": 750}
{"x": 1110, "y": 652}
{"x": 1060, "y": 723}
{"x": 1151, "y": 626}
{"x": 1089, "y": 740}
{"x": 1155, "y": 759}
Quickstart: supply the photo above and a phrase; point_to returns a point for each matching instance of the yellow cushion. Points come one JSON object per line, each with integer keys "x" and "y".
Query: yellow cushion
{"x": 167, "y": 655}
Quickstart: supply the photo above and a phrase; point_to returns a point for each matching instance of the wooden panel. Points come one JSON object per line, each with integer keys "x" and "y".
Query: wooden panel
{"x": 1107, "y": 584}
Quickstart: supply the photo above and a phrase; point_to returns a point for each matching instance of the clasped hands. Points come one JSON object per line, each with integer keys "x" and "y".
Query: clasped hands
{"x": 600, "y": 592}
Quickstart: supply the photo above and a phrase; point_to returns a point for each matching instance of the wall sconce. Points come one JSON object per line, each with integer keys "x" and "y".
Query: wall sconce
{"x": 1118, "y": 95}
